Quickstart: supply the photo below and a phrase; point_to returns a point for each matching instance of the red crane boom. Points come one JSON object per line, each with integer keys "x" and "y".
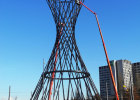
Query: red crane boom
{"x": 112, "y": 77}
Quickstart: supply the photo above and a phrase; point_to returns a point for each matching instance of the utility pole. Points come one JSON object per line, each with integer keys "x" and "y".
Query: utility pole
{"x": 9, "y": 92}
{"x": 131, "y": 87}
{"x": 106, "y": 92}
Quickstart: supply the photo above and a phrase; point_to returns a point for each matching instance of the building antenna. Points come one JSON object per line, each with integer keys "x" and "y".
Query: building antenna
{"x": 9, "y": 92}
{"x": 31, "y": 93}
{"x": 16, "y": 98}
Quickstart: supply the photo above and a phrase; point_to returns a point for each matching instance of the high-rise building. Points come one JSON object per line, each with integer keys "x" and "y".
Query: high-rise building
{"x": 124, "y": 74}
{"x": 136, "y": 77}
{"x": 122, "y": 70}
{"x": 106, "y": 86}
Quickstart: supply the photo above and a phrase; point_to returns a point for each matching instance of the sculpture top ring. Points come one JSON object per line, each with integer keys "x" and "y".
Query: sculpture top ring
{"x": 65, "y": 11}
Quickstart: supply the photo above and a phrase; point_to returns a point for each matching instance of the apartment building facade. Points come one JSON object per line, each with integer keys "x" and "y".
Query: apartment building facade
{"x": 122, "y": 71}
{"x": 136, "y": 77}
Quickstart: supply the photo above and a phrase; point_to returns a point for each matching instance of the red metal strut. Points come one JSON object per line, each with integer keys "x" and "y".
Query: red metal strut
{"x": 112, "y": 77}
{"x": 53, "y": 74}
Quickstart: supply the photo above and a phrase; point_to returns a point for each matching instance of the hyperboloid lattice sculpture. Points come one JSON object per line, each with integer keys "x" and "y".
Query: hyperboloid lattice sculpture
{"x": 65, "y": 76}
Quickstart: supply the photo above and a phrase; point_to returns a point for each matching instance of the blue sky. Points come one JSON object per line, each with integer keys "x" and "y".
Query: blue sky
{"x": 27, "y": 35}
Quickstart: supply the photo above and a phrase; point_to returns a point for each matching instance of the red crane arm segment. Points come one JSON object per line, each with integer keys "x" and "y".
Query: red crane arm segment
{"x": 112, "y": 77}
